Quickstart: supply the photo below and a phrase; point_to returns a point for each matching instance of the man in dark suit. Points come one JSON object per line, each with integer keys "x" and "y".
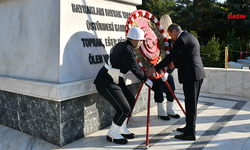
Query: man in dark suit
{"x": 186, "y": 52}
{"x": 160, "y": 87}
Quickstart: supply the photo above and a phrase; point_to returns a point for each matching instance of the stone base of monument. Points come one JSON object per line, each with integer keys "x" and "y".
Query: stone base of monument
{"x": 59, "y": 121}
{"x": 50, "y": 53}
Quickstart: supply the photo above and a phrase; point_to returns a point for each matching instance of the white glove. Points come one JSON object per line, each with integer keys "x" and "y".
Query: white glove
{"x": 164, "y": 77}
{"x": 149, "y": 83}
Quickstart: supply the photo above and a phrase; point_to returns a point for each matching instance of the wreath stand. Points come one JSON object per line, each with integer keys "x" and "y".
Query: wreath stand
{"x": 148, "y": 112}
{"x": 143, "y": 58}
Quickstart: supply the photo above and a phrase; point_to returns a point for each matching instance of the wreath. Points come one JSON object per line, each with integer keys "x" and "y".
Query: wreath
{"x": 146, "y": 57}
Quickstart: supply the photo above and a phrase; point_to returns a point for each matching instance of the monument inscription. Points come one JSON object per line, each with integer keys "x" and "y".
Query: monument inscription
{"x": 99, "y": 26}
{"x": 89, "y": 30}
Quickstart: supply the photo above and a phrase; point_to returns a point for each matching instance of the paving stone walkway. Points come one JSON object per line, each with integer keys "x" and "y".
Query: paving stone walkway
{"x": 223, "y": 123}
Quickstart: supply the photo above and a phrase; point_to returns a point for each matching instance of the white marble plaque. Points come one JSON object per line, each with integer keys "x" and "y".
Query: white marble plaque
{"x": 61, "y": 40}
{"x": 29, "y": 39}
{"x": 88, "y": 30}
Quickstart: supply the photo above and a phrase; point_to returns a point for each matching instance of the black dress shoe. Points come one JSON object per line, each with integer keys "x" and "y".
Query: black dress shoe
{"x": 174, "y": 116}
{"x": 164, "y": 117}
{"x": 118, "y": 141}
{"x": 181, "y": 129}
{"x": 183, "y": 136}
{"x": 128, "y": 136}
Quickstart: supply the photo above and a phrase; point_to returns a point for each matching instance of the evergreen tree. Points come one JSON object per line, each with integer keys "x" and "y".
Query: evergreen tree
{"x": 157, "y": 7}
{"x": 234, "y": 44}
{"x": 203, "y": 16}
{"x": 230, "y": 37}
{"x": 211, "y": 53}
{"x": 241, "y": 26}
{"x": 194, "y": 33}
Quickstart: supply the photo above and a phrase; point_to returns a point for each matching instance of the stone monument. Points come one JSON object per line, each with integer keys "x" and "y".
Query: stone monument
{"x": 50, "y": 53}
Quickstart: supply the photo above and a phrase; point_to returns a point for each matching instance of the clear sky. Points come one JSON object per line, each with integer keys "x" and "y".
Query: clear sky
{"x": 221, "y": 1}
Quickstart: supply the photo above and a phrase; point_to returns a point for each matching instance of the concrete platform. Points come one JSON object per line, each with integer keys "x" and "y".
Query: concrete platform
{"x": 244, "y": 62}
{"x": 235, "y": 65}
{"x": 223, "y": 122}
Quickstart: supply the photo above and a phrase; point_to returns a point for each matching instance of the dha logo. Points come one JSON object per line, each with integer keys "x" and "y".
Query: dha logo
{"x": 229, "y": 16}
{"x": 237, "y": 16}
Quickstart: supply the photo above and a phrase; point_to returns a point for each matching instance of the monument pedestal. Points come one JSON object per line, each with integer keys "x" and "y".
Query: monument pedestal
{"x": 50, "y": 54}
{"x": 59, "y": 117}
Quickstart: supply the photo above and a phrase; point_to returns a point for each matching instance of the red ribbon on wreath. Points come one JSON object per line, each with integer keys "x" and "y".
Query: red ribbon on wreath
{"x": 150, "y": 50}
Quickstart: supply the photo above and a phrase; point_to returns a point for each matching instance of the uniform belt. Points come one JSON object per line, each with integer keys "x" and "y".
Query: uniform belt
{"x": 108, "y": 67}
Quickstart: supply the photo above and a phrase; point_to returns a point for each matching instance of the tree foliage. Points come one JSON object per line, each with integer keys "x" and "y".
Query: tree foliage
{"x": 241, "y": 26}
{"x": 209, "y": 19}
{"x": 194, "y": 33}
{"x": 157, "y": 7}
{"x": 203, "y": 16}
{"x": 206, "y": 17}
{"x": 234, "y": 45}
{"x": 211, "y": 53}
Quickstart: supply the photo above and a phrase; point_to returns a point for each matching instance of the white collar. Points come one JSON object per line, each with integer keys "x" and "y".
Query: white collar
{"x": 179, "y": 34}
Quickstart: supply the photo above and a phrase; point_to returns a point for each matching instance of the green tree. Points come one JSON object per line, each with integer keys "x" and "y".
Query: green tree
{"x": 211, "y": 54}
{"x": 234, "y": 45}
{"x": 230, "y": 36}
{"x": 157, "y": 7}
{"x": 203, "y": 16}
{"x": 194, "y": 33}
{"x": 241, "y": 26}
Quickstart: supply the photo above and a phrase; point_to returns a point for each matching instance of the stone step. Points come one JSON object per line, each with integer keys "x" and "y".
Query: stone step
{"x": 244, "y": 62}
{"x": 236, "y": 65}
{"x": 222, "y": 123}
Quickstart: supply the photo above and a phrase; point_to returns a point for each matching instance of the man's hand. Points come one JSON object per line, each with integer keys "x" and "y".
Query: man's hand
{"x": 150, "y": 71}
{"x": 171, "y": 65}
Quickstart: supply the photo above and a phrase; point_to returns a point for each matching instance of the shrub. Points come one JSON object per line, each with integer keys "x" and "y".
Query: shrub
{"x": 234, "y": 45}
{"x": 194, "y": 33}
{"x": 211, "y": 53}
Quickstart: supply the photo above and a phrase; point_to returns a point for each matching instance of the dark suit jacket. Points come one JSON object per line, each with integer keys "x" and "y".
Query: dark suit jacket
{"x": 158, "y": 85}
{"x": 186, "y": 52}
{"x": 123, "y": 57}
